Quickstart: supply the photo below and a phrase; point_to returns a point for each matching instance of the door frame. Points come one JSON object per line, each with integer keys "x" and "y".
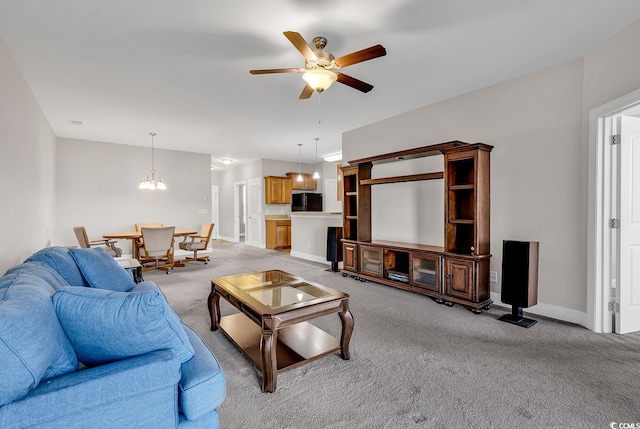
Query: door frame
{"x": 599, "y": 210}
{"x": 215, "y": 212}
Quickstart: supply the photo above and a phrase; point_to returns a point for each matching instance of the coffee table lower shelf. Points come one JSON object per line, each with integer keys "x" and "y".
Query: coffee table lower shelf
{"x": 297, "y": 344}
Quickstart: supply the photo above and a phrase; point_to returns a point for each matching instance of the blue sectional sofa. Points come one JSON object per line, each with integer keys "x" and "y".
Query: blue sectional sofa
{"x": 84, "y": 346}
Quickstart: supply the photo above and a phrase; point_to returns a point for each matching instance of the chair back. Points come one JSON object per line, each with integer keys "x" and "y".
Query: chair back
{"x": 207, "y": 231}
{"x": 158, "y": 242}
{"x": 151, "y": 225}
{"x": 81, "y": 235}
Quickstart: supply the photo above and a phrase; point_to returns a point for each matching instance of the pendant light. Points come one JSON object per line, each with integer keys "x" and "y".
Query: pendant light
{"x": 152, "y": 182}
{"x": 300, "y": 178}
{"x": 316, "y": 175}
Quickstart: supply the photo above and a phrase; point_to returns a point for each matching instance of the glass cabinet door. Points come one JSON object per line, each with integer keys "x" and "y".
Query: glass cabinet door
{"x": 425, "y": 271}
{"x": 371, "y": 261}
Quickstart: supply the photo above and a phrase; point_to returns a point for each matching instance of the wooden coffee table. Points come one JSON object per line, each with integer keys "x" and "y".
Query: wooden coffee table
{"x": 271, "y": 328}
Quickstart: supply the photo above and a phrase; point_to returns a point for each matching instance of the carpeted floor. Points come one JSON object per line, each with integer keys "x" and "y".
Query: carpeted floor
{"x": 415, "y": 363}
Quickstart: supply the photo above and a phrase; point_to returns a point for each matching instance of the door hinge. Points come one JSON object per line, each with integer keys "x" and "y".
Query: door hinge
{"x": 614, "y": 223}
{"x": 614, "y": 306}
{"x": 615, "y": 139}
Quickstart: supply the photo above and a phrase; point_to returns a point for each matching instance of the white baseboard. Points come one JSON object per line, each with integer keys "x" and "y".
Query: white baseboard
{"x": 308, "y": 257}
{"x": 548, "y": 310}
{"x": 231, "y": 239}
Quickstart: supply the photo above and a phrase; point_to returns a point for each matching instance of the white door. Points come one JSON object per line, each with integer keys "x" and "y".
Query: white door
{"x": 331, "y": 203}
{"x": 628, "y": 233}
{"x": 254, "y": 213}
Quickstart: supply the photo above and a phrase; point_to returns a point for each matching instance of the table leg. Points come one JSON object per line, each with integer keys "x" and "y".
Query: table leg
{"x": 268, "y": 342}
{"x": 213, "y": 304}
{"x": 347, "y": 328}
{"x": 134, "y": 248}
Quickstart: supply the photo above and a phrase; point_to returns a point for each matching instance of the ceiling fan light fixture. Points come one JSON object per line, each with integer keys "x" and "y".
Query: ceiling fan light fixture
{"x": 319, "y": 79}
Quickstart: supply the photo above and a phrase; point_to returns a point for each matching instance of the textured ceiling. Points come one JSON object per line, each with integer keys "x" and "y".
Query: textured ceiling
{"x": 125, "y": 68}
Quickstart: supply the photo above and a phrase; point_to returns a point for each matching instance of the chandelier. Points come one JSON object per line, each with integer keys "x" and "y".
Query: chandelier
{"x": 152, "y": 182}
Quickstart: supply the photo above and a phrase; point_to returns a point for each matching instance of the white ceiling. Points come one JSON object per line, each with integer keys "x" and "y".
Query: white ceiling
{"x": 125, "y": 68}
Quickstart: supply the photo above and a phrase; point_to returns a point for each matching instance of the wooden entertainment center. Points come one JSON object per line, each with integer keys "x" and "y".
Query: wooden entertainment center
{"x": 457, "y": 273}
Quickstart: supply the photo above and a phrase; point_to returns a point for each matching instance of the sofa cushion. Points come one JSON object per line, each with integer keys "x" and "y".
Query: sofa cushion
{"x": 101, "y": 271}
{"x": 202, "y": 387}
{"x": 40, "y": 269}
{"x": 105, "y": 326}
{"x": 33, "y": 346}
{"x": 62, "y": 262}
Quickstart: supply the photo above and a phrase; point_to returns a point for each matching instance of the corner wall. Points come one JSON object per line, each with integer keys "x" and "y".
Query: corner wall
{"x": 538, "y": 125}
{"x": 27, "y": 168}
{"x": 535, "y": 124}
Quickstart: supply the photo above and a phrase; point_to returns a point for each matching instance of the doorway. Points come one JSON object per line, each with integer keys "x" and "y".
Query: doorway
{"x": 604, "y": 297}
{"x": 239, "y": 210}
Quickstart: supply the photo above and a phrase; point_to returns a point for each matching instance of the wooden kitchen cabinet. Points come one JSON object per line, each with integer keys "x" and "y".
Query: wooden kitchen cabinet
{"x": 277, "y": 190}
{"x": 308, "y": 183}
{"x": 278, "y": 234}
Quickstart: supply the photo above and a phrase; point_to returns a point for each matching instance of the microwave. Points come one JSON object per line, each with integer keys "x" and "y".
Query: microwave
{"x": 306, "y": 202}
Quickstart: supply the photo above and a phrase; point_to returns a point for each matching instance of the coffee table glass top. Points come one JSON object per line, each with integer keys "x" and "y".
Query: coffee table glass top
{"x": 258, "y": 279}
{"x": 274, "y": 288}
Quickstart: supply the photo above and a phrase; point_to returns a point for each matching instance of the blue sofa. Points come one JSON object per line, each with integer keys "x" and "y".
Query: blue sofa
{"x": 84, "y": 346}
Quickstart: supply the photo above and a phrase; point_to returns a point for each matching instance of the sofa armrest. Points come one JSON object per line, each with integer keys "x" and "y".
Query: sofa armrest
{"x": 135, "y": 392}
{"x": 203, "y": 386}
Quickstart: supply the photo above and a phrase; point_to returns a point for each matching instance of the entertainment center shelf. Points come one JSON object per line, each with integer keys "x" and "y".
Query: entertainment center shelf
{"x": 458, "y": 272}
{"x": 408, "y": 178}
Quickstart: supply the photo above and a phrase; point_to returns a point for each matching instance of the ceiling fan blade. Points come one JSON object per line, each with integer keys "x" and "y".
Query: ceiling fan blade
{"x": 300, "y": 44}
{"x": 354, "y": 83}
{"x": 268, "y": 71}
{"x": 362, "y": 55}
{"x": 307, "y": 92}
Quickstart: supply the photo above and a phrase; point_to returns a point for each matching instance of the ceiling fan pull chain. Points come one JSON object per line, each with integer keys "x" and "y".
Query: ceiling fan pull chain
{"x": 319, "y": 120}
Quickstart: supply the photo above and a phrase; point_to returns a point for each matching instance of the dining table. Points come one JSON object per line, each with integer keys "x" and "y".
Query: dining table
{"x": 134, "y": 235}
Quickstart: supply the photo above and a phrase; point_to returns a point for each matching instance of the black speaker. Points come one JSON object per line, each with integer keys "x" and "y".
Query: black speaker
{"x": 519, "y": 279}
{"x": 334, "y": 246}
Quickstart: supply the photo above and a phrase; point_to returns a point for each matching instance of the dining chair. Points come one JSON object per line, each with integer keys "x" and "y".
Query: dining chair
{"x": 194, "y": 243}
{"x": 140, "y": 241}
{"x": 158, "y": 248}
{"x": 85, "y": 243}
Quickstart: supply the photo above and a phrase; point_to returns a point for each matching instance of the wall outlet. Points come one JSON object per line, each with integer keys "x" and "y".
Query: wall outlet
{"x": 493, "y": 276}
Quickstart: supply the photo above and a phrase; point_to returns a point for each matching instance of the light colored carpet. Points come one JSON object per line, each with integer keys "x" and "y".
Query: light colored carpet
{"x": 415, "y": 363}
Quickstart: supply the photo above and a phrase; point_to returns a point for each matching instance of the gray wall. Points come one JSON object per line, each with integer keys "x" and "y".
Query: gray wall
{"x": 538, "y": 124}
{"x": 27, "y": 168}
{"x": 97, "y": 187}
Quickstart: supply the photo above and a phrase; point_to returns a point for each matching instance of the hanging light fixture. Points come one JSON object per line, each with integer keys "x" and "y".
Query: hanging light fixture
{"x": 300, "y": 178}
{"x": 152, "y": 182}
{"x": 319, "y": 78}
{"x": 316, "y": 175}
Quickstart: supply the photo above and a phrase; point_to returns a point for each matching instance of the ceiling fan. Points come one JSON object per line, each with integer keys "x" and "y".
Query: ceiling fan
{"x": 321, "y": 67}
